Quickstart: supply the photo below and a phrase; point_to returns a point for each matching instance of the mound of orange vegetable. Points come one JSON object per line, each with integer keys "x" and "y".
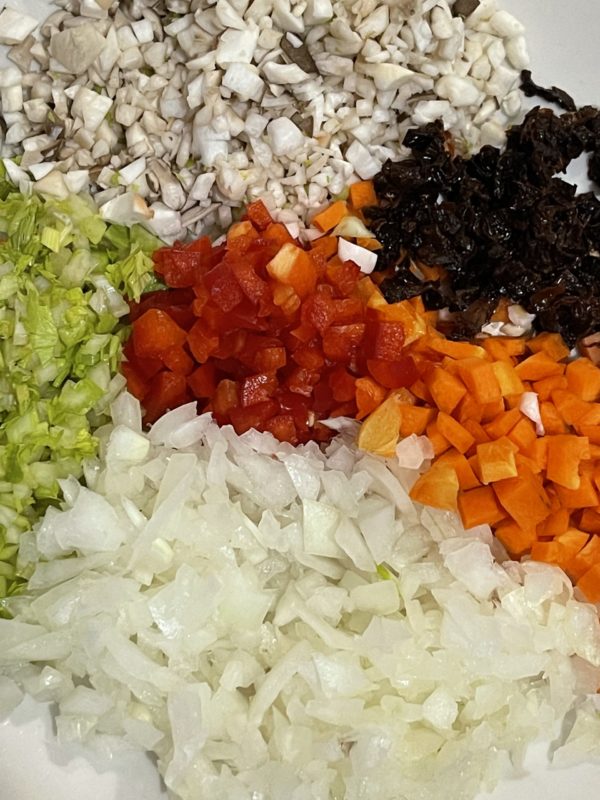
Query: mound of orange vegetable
{"x": 272, "y": 335}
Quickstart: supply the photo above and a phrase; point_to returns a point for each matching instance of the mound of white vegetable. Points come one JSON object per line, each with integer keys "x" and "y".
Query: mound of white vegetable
{"x": 285, "y": 624}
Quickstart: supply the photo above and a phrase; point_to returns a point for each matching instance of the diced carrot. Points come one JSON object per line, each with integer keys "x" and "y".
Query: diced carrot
{"x": 552, "y": 344}
{"x": 565, "y": 452}
{"x": 497, "y": 460}
{"x": 446, "y": 390}
{"x": 545, "y": 387}
{"x": 592, "y": 415}
{"x": 516, "y": 539}
{"x": 327, "y": 245}
{"x": 585, "y": 496}
{"x": 507, "y": 378}
{"x": 369, "y": 395}
{"x": 523, "y": 434}
{"x": 503, "y": 423}
{"x": 362, "y": 194}
{"x": 415, "y": 419}
{"x": 551, "y": 420}
{"x": 524, "y": 498}
{"x": 590, "y": 520}
{"x": 524, "y": 461}
{"x": 458, "y": 436}
{"x": 468, "y": 409}
{"x": 589, "y": 584}
{"x": 489, "y": 411}
{"x": 439, "y": 443}
{"x": 438, "y": 487}
{"x": 421, "y": 391}
{"x": 476, "y": 467}
{"x": 591, "y": 431}
{"x": 537, "y": 367}
{"x": 538, "y": 452}
{"x": 466, "y": 477}
{"x": 327, "y": 220}
{"x": 479, "y": 378}
{"x": 479, "y": 507}
{"x": 501, "y": 348}
{"x": 380, "y": 431}
{"x": 570, "y": 407}
{"x": 584, "y": 379}
{"x": 584, "y": 560}
{"x": 476, "y": 430}
{"x": 555, "y": 524}
{"x": 455, "y": 349}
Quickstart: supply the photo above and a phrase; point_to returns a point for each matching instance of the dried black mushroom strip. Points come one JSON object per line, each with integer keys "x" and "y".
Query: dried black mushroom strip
{"x": 502, "y": 223}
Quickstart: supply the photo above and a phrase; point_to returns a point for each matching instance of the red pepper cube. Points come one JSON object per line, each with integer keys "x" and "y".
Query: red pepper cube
{"x": 343, "y": 384}
{"x": 178, "y": 299}
{"x": 225, "y": 398}
{"x": 154, "y": 333}
{"x": 167, "y": 391}
{"x": 270, "y": 359}
{"x": 183, "y": 268}
{"x": 259, "y": 215}
{"x": 393, "y": 374}
{"x": 223, "y": 288}
{"x": 203, "y": 381}
{"x": 243, "y": 419}
{"x": 309, "y": 357}
{"x": 343, "y": 275}
{"x": 282, "y": 427}
{"x": 341, "y": 342}
{"x": 348, "y": 310}
{"x": 252, "y": 285}
{"x": 136, "y": 383}
{"x": 202, "y": 341}
{"x": 318, "y": 310}
{"x": 384, "y": 340}
{"x": 257, "y": 389}
{"x": 177, "y": 360}
{"x": 302, "y": 381}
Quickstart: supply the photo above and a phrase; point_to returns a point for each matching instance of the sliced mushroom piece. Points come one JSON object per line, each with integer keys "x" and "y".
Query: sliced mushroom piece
{"x": 299, "y": 54}
{"x": 171, "y": 190}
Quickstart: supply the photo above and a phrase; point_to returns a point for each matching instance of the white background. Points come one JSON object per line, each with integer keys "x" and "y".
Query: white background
{"x": 564, "y": 45}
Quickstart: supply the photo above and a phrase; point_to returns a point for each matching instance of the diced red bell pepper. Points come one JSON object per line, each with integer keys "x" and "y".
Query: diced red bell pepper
{"x": 136, "y": 383}
{"x": 302, "y": 381}
{"x": 231, "y": 344}
{"x": 259, "y": 215}
{"x": 202, "y": 341}
{"x": 384, "y": 340}
{"x": 203, "y": 381}
{"x": 181, "y": 268}
{"x": 154, "y": 333}
{"x": 224, "y": 289}
{"x": 340, "y": 342}
{"x": 253, "y": 286}
{"x": 322, "y": 400}
{"x": 174, "y": 298}
{"x": 309, "y": 357}
{"x": 319, "y": 310}
{"x": 168, "y": 390}
{"x": 343, "y": 385}
{"x": 225, "y": 398}
{"x": 347, "y": 311}
{"x": 282, "y": 427}
{"x": 393, "y": 374}
{"x": 257, "y": 389}
{"x": 293, "y": 266}
{"x": 344, "y": 276}
{"x": 254, "y": 416}
{"x": 177, "y": 360}
{"x": 277, "y": 234}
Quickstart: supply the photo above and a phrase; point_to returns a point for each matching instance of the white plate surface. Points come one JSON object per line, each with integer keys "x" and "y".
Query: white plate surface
{"x": 563, "y": 42}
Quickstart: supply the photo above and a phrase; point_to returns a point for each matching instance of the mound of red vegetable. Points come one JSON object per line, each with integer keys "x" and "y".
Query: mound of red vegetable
{"x": 263, "y": 333}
